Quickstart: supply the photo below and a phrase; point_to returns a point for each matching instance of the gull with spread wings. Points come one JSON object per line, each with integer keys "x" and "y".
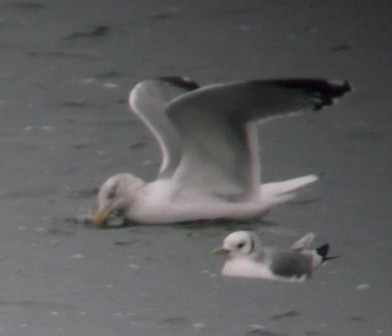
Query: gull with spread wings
{"x": 210, "y": 157}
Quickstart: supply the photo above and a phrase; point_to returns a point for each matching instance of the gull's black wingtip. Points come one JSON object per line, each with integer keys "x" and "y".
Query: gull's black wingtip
{"x": 328, "y": 91}
{"x": 321, "y": 92}
{"x": 322, "y": 251}
{"x": 182, "y": 82}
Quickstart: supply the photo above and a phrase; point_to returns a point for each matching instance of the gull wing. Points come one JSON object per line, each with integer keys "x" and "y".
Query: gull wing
{"x": 304, "y": 242}
{"x": 291, "y": 263}
{"x": 148, "y": 100}
{"x": 217, "y": 127}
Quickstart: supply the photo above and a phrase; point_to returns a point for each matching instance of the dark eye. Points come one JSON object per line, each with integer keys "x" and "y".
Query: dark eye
{"x": 240, "y": 245}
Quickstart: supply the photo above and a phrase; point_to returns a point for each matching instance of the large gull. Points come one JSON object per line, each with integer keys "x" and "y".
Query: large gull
{"x": 210, "y": 157}
{"x": 249, "y": 259}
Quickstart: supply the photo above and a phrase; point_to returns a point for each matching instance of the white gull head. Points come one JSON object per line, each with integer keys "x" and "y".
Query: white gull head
{"x": 241, "y": 244}
{"x": 117, "y": 193}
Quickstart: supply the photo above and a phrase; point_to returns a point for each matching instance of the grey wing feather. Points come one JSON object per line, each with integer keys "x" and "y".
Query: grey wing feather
{"x": 304, "y": 242}
{"x": 291, "y": 263}
{"x": 216, "y": 124}
{"x": 149, "y": 100}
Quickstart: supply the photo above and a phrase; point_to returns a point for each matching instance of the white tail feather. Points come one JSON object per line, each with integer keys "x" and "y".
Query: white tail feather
{"x": 277, "y": 193}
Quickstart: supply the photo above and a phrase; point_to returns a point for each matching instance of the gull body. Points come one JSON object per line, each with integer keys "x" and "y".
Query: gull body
{"x": 247, "y": 258}
{"x": 210, "y": 157}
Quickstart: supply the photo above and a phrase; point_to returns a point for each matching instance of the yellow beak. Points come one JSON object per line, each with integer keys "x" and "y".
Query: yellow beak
{"x": 99, "y": 219}
{"x": 221, "y": 250}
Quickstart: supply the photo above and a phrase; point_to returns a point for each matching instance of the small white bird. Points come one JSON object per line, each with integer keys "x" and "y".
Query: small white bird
{"x": 210, "y": 157}
{"x": 248, "y": 259}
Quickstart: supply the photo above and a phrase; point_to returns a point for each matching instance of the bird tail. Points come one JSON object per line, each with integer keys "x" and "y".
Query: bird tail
{"x": 277, "y": 193}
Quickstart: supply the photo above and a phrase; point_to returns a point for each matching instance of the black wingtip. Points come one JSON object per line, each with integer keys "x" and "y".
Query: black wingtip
{"x": 321, "y": 92}
{"x": 182, "y": 82}
{"x": 322, "y": 251}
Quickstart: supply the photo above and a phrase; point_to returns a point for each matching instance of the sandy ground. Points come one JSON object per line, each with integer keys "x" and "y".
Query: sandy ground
{"x": 66, "y": 70}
